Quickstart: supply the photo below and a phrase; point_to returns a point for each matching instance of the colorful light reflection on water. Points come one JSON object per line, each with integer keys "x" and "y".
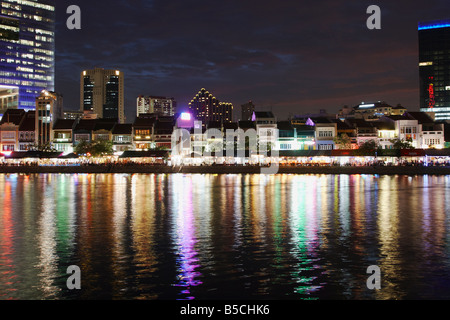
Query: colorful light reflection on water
{"x": 224, "y": 236}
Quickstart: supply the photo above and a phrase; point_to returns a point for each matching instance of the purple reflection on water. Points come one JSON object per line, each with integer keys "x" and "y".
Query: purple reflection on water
{"x": 311, "y": 214}
{"x": 187, "y": 255}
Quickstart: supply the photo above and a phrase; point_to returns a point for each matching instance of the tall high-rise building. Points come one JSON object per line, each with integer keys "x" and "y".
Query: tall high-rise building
{"x": 102, "y": 92}
{"x": 49, "y": 108}
{"x": 27, "y": 51}
{"x": 155, "y": 104}
{"x": 207, "y": 108}
{"x": 247, "y": 111}
{"x": 434, "y": 68}
{"x": 226, "y": 110}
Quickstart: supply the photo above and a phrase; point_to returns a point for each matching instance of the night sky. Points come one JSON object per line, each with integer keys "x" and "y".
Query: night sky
{"x": 290, "y": 56}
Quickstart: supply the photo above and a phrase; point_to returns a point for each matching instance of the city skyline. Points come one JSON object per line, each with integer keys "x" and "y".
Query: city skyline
{"x": 246, "y": 151}
{"x": 290, "y": 64}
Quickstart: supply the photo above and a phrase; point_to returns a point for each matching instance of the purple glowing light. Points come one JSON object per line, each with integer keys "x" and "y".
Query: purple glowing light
{"x": 185, "y": 116}
{"x": 310, "y": 123}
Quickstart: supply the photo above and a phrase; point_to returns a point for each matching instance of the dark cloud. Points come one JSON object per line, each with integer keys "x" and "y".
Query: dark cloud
{"x": 294, "y": 56}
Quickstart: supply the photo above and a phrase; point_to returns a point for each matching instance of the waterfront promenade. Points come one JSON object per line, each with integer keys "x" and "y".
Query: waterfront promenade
{"x": 225, "y": 169}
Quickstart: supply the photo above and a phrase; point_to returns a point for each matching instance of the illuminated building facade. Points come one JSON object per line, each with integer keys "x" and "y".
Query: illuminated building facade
{"x": 9, "y": 130}
{"x": 63, "y": 135}
{"x": 102, "y": 92}
{"x": 122, "y": 137}
{"x": 83, "y": 131}
{"x": 434, "y": 68}
{"x": 266, "y": 128}
{"x": 73, "y": 114}
{"x": 287, "y": 136}
{"x": 143, "y": 131}
{"x": 325, "y": 132}
{"x": 49, "y": 108}
{"x": 156, "y": 104}
{"x": 226, "y": 112}
{"x": 27, "y": 52}
{"x": 207, "y": 108}
{"x": 376, "y": 110}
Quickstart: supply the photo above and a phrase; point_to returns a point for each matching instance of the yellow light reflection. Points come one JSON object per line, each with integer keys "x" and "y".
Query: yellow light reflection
{"x": 388, "y": 226}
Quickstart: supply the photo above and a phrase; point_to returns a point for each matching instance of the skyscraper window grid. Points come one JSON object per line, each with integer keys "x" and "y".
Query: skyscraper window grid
{"x": 27, "y": 52}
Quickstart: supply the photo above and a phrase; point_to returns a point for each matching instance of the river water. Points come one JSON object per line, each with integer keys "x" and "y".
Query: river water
{"x": 177, "y": 236}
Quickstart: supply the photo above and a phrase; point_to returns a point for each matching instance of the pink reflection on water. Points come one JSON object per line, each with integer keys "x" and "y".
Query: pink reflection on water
{"x": 7, "y": 246}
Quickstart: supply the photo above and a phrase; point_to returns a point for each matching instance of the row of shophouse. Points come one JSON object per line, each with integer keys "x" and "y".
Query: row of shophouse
{"x": 18, "y": 132}
{"x": 418, "y": 128}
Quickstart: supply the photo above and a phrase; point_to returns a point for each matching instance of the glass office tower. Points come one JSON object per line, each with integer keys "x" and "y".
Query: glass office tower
{"x": 27, "y": 52}
{"x": 434, "y": 68}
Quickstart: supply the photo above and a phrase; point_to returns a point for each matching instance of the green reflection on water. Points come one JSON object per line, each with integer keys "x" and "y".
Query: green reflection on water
{"x": 200, "y": 236}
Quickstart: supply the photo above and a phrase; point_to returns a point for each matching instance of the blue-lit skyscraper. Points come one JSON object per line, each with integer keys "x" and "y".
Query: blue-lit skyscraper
{"x": 27, "y": 51}
{"x": 434, "y": 64}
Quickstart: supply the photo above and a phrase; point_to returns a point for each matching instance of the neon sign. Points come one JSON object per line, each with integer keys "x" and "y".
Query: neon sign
{"x": 434, "y": 25}
{"x": 431, "y": 101}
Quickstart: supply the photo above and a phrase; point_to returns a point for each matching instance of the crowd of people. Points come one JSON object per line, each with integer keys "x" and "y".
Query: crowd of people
{"x": 162, "y": 162}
